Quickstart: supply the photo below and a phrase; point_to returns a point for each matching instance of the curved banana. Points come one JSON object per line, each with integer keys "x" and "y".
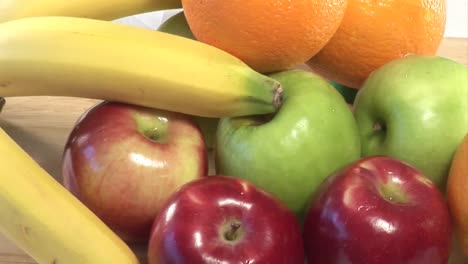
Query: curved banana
{"x": 96, "y": 9}
{"x": 45, "y": 220}
{"x": 78, "y": 57}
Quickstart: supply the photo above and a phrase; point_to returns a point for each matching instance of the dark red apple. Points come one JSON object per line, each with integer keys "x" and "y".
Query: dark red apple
{"x": 220, "y": 219}
{"x": 378, "y": 210}
{"x": 123, "y": 161}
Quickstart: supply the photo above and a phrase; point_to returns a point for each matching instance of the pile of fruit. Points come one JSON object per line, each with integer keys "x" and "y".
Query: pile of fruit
{"x": 213, "y": 143}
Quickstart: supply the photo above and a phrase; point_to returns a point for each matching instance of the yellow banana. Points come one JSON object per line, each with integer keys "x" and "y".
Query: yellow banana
{"x": 79, "y": 57}
{"x": 47, "y": 221}
{"x": 96, "y": 9}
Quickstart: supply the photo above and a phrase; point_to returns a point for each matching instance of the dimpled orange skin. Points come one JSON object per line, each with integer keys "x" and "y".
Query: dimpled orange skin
{"x": 373, "y": 32}
{"x": 268, "y": 35}
{"x": 457, "y": 193}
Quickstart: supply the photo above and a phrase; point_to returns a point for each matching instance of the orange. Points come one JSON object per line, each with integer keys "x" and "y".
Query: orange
{"x": 374, "y": 32}
{"x": 457, "y": 193}
{"x": 268, "y": 35}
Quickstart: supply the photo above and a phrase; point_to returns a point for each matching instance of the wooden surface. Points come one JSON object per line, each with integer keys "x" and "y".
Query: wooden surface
{"x": 41, "y": 125}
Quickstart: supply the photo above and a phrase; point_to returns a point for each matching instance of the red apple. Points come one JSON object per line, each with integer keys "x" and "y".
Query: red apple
{"x": 123, "y": 161}
{"x": 220, "y": 219}
{"x": 378, "y": 210}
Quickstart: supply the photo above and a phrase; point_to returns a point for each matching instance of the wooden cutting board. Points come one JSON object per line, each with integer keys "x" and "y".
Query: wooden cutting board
{"x": 41, "y": 125}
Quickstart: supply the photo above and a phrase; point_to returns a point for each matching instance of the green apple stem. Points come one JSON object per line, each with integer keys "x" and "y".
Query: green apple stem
{"x": 379, "y": 127}
{"x": 232, "y": 233}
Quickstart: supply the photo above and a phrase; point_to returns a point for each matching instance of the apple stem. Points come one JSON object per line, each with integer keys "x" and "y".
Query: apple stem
{"x": 379, "y": 127}
{"x": 232, "y": 233}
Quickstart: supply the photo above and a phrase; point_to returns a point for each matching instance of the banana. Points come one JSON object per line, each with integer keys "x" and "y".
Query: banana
{"x": 96, "y": 9}
{"x": 47, "y": 221}
{"x": 80, "y": 57}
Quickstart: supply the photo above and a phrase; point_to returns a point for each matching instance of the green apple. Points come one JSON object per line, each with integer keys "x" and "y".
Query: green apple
{"x": 177, "y": 25}
{"x": 415, "y": 109}
{"x": 289, "y": 154}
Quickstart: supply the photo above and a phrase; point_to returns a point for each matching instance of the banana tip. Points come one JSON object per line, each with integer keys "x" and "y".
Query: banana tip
{"x": 278, "y": 97}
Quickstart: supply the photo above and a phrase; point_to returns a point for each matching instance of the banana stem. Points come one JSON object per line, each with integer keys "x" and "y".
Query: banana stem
{"x": 278, "y": 97}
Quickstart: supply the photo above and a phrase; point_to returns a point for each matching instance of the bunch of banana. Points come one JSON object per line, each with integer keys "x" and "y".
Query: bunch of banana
{"x": 96, "y": 9}
{"x": 80, "y": 57}
{"x": 45, "y": 220}
{"x": 65, "y": 48}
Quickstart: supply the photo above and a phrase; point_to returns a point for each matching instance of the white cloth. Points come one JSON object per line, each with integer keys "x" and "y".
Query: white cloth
{"x": 151, "y": 20}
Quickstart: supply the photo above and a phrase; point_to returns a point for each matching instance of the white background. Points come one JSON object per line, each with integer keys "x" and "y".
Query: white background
{"x": 456, "y": 25}
{"x": 457, "y": 22}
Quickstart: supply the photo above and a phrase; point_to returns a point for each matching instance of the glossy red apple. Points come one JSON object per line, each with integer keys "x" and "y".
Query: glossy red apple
{"x": 123, "y": 161}
{"x": 378, "y": 210}
{"x": 219, "y": 219}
